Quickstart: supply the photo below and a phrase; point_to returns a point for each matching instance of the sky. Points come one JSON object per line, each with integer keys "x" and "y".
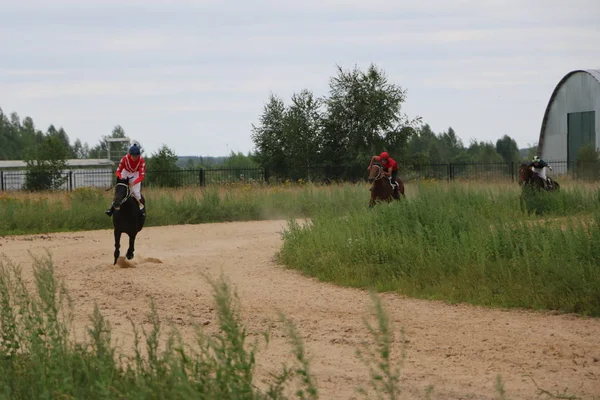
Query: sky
{"x": 195, "y": 75}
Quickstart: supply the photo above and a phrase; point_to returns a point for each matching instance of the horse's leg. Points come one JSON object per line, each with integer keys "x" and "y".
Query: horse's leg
{"x": 131, "y": 248}
{"x": 117, "y": 244}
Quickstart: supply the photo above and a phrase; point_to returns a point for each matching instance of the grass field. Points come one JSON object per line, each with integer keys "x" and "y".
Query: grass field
{"x": 462, "y": 244}
{"x": 83, "y": 209}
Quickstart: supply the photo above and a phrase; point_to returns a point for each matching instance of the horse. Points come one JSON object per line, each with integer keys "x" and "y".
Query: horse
{"x": 382, "y": 186}
{"x": 127, "y": 217}
{"x": 528, "y": 177}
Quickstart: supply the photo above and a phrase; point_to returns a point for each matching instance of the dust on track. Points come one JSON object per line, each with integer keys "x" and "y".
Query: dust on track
{"x": 457, "y": 348}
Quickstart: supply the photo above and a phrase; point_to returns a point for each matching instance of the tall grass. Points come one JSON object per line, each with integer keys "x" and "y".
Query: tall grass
{"x": 461, "y": 245}
{"x": 39, "y": 359}
{"x": 83, "y": 209}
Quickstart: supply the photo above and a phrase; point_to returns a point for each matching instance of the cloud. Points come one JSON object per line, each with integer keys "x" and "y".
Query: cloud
{"x": 91, "y": 65}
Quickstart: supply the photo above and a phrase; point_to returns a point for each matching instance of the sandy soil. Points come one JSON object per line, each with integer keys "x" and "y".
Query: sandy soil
{"x": 457, "y": 348}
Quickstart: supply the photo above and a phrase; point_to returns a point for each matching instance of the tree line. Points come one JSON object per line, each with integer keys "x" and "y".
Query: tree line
{"x": 361, "y": 117}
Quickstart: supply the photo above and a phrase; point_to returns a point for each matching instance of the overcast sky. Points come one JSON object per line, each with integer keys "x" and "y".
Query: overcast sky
{"x": 195, "y": 75}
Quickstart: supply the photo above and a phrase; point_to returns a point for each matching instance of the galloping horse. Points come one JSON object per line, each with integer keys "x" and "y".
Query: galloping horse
{"x": 382, "y": 187}
{"x": 527, "y": 177}
{"x": 127, "y": 217}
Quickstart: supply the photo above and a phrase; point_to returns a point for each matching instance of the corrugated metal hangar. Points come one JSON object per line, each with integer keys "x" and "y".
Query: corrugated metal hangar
{"x": 572, "y": 117}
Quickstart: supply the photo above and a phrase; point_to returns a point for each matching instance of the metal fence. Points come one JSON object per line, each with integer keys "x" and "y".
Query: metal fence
{"x": 104, "y": 178}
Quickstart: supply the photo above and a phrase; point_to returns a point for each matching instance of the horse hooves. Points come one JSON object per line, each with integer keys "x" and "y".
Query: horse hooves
{"x": 129, "y": 256}
{"x": 116, "y": 258}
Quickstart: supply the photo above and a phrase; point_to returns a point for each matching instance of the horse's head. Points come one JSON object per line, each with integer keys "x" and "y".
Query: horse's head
{"x": 375, "y": 172}
{"x": 524, "y": 173}
{"x": 122, "y": 192}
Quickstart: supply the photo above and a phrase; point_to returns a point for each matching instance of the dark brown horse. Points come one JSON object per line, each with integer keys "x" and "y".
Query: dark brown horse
{"x": 528, "y": 177}
{"x": 127, "y": 218}
{"x": 382, "y": 188}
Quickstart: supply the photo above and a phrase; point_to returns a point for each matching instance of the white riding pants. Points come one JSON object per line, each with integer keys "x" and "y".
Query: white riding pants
{"x": 541, "y": 172}
{"x": 135, "y": 190}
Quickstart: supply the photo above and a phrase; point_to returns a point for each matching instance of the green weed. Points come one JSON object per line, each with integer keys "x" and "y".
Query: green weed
{"x": 460, "y": 245}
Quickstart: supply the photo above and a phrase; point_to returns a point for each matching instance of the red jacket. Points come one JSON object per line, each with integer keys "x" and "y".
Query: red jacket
{"x": 128, "y": 164}
{"x": 390, "y": 163}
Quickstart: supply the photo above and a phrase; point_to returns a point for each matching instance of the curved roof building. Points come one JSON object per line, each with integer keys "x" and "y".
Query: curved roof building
{"x": 572, "y": 117}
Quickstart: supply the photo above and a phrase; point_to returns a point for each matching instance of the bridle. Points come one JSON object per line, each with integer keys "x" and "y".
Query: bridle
{"x": 127, "y": 196}
{"x": 380, "y": 173}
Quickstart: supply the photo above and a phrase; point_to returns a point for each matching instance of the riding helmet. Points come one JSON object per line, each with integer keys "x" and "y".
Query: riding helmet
{"x": 134, "y": 150}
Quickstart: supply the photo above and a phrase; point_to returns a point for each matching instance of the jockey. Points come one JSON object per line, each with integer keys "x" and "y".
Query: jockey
{"x": 132, "y": 165}
{"x": 390, "y": 168}
{"x": 540, "y": 166}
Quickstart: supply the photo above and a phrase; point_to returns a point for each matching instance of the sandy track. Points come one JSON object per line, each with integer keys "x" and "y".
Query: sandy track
{"x": 458, "y": 349}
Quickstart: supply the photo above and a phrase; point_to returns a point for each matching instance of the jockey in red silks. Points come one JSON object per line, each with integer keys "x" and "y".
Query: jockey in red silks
{"x": 390, "y": 167}
{"x": 132, "y": 165}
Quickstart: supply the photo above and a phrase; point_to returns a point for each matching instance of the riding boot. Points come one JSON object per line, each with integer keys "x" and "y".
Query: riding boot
{"x": 110, "y": 211}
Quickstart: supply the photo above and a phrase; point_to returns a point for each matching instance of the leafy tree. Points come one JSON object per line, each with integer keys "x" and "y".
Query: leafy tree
{"x": 396, "y": 142}
{"x": 420, "y": 146}
{"x": 268, "y": 136}
{"x": 302, "y": 131}
{"x": 63, "y": 139}
{"x": 508, "y": 149}
{"x": 81, "y": 150}
{"x": 46, "y": 165}
{"x": 450, "y": 145}
{"x": 361, "y": 109}
{"x": 483, "y": 152}
{"x": 164, "y": 161}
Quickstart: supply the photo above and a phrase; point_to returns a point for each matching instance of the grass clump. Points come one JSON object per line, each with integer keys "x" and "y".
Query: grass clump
{"x": 39, "y": 359}
{"x": 459, "y": 245}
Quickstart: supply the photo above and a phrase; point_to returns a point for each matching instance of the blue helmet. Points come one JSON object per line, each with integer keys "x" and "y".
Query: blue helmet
{"x": 134, "y": 150}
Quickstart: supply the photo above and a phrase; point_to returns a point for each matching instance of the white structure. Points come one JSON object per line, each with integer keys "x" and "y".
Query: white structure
{"x": 572, "y": 117}
{"x": 82, "y": 173}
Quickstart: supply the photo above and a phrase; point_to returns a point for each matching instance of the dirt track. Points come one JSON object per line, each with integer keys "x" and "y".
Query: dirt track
{"x": 458, "y": 349}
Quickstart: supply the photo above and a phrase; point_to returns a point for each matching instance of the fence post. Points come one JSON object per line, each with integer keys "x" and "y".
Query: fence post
{"x": 266, "y": 175}
{"x": 201, "y": 180}
{"x": 2, "y": 181}
{"x": 71, "y": 181}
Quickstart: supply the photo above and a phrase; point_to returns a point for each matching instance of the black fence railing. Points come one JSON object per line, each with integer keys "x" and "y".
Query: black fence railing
{"x": 104, "y": 178}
